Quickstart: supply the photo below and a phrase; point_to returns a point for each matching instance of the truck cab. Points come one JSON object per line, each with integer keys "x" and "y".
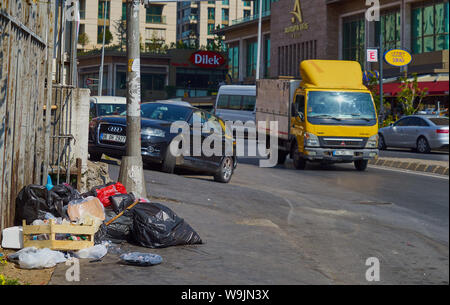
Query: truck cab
{"x": 332, "y": 116}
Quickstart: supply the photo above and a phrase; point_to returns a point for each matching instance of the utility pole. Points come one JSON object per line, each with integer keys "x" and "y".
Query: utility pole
{"x": 100, "y": 77}
{"x": 131, "y": 168}
{"x": 381, "y": 74}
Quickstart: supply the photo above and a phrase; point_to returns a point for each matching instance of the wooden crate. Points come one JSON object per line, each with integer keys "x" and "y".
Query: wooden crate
{"x": 52, "y": 229}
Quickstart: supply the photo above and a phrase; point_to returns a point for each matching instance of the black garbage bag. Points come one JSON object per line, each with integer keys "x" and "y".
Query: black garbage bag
{"x": 157, "y": 226}
{"x": 120, "y": 229}
{"x": 121, "y": 201}
{"x": 35, "y": 201}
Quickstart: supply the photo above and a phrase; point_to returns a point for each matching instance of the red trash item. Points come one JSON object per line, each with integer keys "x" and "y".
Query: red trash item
{"x": 103, "y": 194}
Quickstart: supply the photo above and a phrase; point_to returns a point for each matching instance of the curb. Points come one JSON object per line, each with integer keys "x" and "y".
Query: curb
{"x": 412, "y": 166}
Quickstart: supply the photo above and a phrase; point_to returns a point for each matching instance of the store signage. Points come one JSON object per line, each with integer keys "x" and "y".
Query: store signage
{"x": 372, "y": 55}
{"x": 296, "y": 20}
{"x": 397, "y": 57}
{"x": 207, "y": 59}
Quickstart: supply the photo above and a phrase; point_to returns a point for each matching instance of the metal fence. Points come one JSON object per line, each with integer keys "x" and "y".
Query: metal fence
{"x": 26, "y": 52}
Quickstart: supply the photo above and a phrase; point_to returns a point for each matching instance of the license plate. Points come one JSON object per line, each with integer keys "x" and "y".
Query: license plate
{"x": 113, "y": 138}
{"x": 342, "y": 153}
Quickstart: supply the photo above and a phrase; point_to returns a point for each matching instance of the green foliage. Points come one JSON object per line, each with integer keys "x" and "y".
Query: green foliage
{"x": 108, "y": 37}
{"x": 121, "y": 30}
{"x": 83, "y": 39}
{"x": 410, "y": 92}
{"x": 374, "y": 85}
{"x": 7, "y": 281}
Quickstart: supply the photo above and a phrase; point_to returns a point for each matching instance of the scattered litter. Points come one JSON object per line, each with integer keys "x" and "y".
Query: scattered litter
{"x": 95, "y": 252}
{"x": 33, "y": 258}
{"x": 90, "y": 205}
{"x": 141, "y": 259}
{"x": 12, "y": 238}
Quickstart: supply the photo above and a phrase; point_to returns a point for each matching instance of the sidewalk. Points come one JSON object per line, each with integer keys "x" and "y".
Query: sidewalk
{"x": 428, "y": 166}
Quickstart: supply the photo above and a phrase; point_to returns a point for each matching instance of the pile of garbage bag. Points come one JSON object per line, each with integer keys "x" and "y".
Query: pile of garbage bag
{"x": 119, "y": 216}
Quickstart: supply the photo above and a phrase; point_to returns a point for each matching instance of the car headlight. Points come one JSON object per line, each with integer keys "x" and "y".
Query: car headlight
{"x": 311, "y": 140}
{"x": 372, "y": 142}
{"x": 153, "y": 132}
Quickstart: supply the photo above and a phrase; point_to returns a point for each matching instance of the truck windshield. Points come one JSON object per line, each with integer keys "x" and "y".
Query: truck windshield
{"x": 340, "y": 106}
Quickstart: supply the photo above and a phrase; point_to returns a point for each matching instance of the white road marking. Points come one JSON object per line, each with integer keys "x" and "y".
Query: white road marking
{"x": 291, "y": 211}
{"x": 410, "y": 172}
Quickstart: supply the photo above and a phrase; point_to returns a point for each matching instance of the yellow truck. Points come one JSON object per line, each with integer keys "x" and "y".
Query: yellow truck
{"x": 328, "y": 116}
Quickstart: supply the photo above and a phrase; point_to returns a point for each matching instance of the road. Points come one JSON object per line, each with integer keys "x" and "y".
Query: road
{"x": 284, "y": 226}
{"x": 436, "y": 155}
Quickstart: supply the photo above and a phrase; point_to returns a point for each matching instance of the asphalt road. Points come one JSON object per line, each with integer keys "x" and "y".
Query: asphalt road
{"x": 437, "y": 155}
{"x": 283, "y": 226}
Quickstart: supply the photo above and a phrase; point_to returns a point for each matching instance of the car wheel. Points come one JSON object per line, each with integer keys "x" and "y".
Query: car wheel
{"x": 95, "y": 156}
{"x": 381, "y": 143}
{"x": 225, "y": 171}
{"x": 361, "y": 165}
{"x": 169, "y": 161}
{"x": 299, "y": 162}
{"x": 422, "y": 146}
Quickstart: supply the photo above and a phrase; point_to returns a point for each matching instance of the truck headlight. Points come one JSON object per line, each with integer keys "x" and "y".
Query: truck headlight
{"x": 153, "y": 132}
{"x": 311, "y": 140}
{"x": 372, "y": 142}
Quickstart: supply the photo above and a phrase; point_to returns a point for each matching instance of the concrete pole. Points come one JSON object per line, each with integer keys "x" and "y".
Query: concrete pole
{"x": 131, "y": 169}
{"x": 258, "y": 56}
{"x": 100, "y": 77}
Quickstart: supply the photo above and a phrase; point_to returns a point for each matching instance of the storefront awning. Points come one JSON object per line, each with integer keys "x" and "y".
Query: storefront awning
{"x": 434, "y": 88}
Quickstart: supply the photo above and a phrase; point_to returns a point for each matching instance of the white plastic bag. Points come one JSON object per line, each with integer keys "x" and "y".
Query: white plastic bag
{"x": 95, "y": 252}
{"x": 33, "y": 258}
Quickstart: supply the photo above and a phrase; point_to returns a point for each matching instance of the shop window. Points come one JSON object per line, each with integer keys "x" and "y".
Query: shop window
{"x": 233, "y": 62}
{"x": 391, "y": 29}
{"x": 354, "y": 40}
{"x": 267, "y": 57}
{"x": 251, "y": 59}
{"x": 152, "y": 81}
{"x": 430, "y": 27}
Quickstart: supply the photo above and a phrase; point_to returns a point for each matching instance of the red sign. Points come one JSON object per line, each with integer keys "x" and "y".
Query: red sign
{"x": 207, "y": 59}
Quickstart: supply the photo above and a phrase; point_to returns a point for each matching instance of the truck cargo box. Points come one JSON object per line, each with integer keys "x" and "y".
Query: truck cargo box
{"x": 273, "y": 100}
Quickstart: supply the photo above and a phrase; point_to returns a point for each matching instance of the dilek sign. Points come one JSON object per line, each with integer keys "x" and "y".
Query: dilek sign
{"x": 397, "y": 57}
{"x": 298, "y": 24}
{"x": 207, "y": 59}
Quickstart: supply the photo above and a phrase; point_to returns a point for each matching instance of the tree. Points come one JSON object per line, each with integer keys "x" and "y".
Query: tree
{"x": 83, "y": 39}
{"x": 410, "y": 93}
{"x": 373, "y": 84}
{"x": 108, "y": 38}
{"x": 121, "y": 30}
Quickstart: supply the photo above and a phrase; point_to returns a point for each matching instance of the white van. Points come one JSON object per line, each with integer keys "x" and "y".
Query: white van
{"x": 107, "y": 105}
{"x": 236, "y": 103}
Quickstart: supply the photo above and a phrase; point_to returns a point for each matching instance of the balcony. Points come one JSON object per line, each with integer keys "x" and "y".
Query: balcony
{"x": 249, "y": 18}
{"x": 159, "y": 19}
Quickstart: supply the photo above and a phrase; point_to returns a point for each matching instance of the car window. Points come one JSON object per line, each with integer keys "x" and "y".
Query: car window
{"x": 111, "y": 109}
{"x": 222, "y": 103}
{"x": 248, "y": 102}
{"x": 212, "y": 123}
{"x": 300, "y": 103}
{"x": 235, "y": 102}
{"x": 423, "y": 123}
{"x": 402, "y": 122}
{"x": 197, "y": 117}
{"x": 92, "y": 112}
{"x": 440, "y": 121}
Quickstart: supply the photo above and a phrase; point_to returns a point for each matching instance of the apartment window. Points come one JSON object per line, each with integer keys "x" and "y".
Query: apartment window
{"x": 354, "y": 38}
{"x": 101, "y": 9}
{"x": 124, "y": 11}
{"x": 211, "y": 2}
{"x": 210, "y": 28}
{"x": 266, "y": 4}
{"x": 211, "y": 13}
{"x": 430, "y": 27}
{"x": 225, "y": 14}
{"x": 251, "y": 59}
{"x": 210, "y": 43}
{"x": 247, "y": 13}
{"x": 247, "y": 3}
{"x": 99, "y": 33}
{"x": 391, "y": 28}
{"x": 154, "y": 14}
{"x": 233, "y": 61}
{"x": 152, "y": 34}
{"x": 225, "y": 2}
{"x": 82, "y": 9}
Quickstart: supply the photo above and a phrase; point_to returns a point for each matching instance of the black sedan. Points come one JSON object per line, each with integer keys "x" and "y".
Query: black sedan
{"x": 107, "y": 135}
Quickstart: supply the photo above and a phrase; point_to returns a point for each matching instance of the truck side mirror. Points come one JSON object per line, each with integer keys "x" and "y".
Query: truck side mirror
{"x": 301, "y": 116}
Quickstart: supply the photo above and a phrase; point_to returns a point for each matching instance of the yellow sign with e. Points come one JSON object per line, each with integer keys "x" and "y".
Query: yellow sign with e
{"x": 397, "y": 57}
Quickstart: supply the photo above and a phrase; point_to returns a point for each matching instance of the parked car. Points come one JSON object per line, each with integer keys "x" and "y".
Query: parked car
{"x": 236, "y": 103}
{"x": 107, "y": 135}
{"x": 421, "y": 133}
{"x": 106, "y": 105}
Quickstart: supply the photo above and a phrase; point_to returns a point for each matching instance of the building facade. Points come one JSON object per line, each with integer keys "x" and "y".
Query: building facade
{"x": 196, "y": 21}
{"x": 295, "y": 30}
{"x": 157, "y": 22}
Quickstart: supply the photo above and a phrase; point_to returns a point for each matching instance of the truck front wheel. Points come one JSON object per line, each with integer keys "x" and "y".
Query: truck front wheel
{"x": 361, "y": 165}
{"x": 282, "y": 156}
{"x": 299, "y": 162}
